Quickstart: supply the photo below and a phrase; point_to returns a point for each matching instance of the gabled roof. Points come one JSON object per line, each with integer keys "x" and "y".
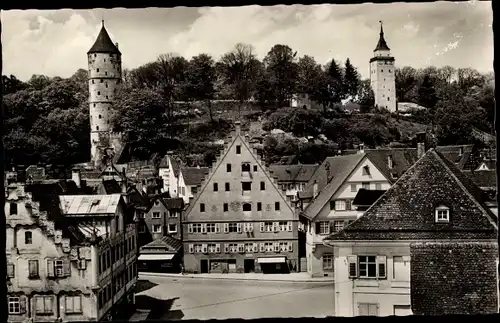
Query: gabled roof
{"x": 336, "y": 170}
{"x": 171, "y": 244}
{"x": 110, "y": 186}
{"x": 458, "y": 154}
{"x": 366, "y": 197}
{"x": 83, "y": 205}
{"x": 293, "y": 173}
{"x": 176, "y": 203}
{"x": 194, "y": 175}
{"x": 174, "y": 163}
{"x": 103, "y": 43}
{"x": 381, "y": 45}
{"x": 406, "y": 210}
{"x": 255, "y": 158}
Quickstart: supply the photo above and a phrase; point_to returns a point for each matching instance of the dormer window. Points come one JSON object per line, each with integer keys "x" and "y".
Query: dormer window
{"x": 238, "y": 150}
{"x": 389, "y": 162}
{"x": 442, "y": 214}
{"x": 366, "y": 170}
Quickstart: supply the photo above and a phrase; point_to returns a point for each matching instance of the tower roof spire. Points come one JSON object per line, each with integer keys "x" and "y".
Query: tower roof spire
{"x": 103, "y": 43}
{"x": 381, "y": 45}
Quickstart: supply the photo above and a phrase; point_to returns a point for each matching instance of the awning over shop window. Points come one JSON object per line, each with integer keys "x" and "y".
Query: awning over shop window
{"x": 156, "y": 257}
{"x": 271, "y": 260}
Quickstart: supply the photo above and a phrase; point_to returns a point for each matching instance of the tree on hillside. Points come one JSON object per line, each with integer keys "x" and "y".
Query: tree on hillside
{"x": 140, "y": 115}
{"x": 238, "y": 69}
{"x": 351, "y": 79}
{"x": 281, "y": 67}
{"x": 406, "y": 84}
{"x": 10, "y": 84}
{"x": 38, "y": 82}
{"x": 311, "y": 80}
{"x": 365, "y": 96}
{"x": 200, "y": 79}
{"x": 334, "y": 83}
{"x": 427, "y": 92}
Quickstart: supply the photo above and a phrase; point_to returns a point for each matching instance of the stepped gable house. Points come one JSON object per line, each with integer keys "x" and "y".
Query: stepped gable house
{"x": 427, "y": 246}
{"x": 240, "y": 221}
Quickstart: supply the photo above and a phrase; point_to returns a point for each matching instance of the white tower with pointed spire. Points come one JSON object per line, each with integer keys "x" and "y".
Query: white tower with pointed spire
{"x": 382, "y": 76}
{"x": 104, "y": 77}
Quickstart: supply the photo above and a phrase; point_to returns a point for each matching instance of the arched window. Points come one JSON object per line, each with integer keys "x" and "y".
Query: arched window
{"x": 247, "y": 207}
{"x": 99, "y": 116}
{"x": 245, "y": 167}
{"x": 97, "y": 70}
{"x": 442, "y": 214}
{"x": 97, "y": 128}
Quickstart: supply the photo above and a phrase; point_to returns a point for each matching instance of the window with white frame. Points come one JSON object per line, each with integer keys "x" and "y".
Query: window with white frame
{"x": 367, "y": 266}
{"x": 324, "y": 227}
{"x": 14, "y": 305}
{"x": 196, "y": 227}
{"x": 172, "y": 228}
{"x": 233, "y": 227}
{"x": 328, "y": 261}
{"x": 354, "y": 187}
{"x": 73, "y": 304}
{"x": 442, "y": 214}
{"x": 233, "y": 247}
{"x": 268, "y": 227}
{"x": 338, "y": 226}
{"x": 156, "y": 215}
{"x": 365, "y": 185}
{"x": 156, "y": 228}
{"x": 378, "y": 186}
{"x": 59, "y": 268}
{"x": 248, "y": 247}
{"x": 43, "y": 304}
{"x": 268, "y": 247}
{"x": 283, "y": 225}
{"x": 340, "y": 205}
{"x": 198, "y": 248}
{"x": 212, "y": 248}
{"x": 173, "y": 214}
{"x": 211, "y": 228}
{"x": 283, "y": 246}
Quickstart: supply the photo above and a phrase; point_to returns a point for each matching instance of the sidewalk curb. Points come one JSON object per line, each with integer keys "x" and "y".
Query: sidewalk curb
{"x": 312, "y": 280}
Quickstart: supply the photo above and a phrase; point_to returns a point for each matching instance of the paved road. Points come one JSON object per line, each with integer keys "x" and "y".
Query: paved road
{"x": 218, "y": 299}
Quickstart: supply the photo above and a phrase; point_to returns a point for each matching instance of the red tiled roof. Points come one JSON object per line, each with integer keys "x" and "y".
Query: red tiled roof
{"x": 406, "y": 210}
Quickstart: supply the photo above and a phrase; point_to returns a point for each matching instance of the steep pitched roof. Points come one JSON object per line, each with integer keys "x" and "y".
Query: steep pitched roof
{"x": 103, "y": 43}
{"x": 87, "y": 205}
{"x": 176, "y": 203}
{"x": 406, "y": 210}
{"x": 255, "y": 158}
{"x": 194, "y": 175}
{"x": 293, "y": 173}
{"x": 109, "y": 187}
{"x": 458, "y": 154}
{"x": 337, "y": 170}
{"x": 382, "y": 44}
{"x": 366, "y": 197}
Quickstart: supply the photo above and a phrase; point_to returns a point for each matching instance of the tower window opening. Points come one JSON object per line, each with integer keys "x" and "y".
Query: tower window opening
{"x": 95, "y": 55}
{"x": 97, "y": 128}
{"x": 106, "y": 85}
{"x": 94, "y": 105}
{"x": 99, "y": 116}
{"x": 388, "y": 98}
{"x": 92, "y": 81}
{"x": 98, "y": 92}
{"x": 106, "y": 96}
{"x": 104, "y": 60}
{"x": 97, "y": 70}
{"x": 106, "y": 73}
{"x": 382, "y": 71}
{"x": 102, "y": 81}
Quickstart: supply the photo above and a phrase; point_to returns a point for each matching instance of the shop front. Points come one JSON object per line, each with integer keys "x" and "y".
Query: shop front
{"x": 163, "y": 263}
{"x": 273, "y": 265}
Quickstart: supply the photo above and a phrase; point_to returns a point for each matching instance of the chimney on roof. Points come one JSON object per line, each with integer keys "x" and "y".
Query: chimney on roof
{"x": 116, "y": 44}
{"x": 237, "y": 126}
{"x": 76, "y": 177}
{"x": 361, "y": 148}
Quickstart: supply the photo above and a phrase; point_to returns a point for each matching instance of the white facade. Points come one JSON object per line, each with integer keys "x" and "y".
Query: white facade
{"x": 372, "y": 279}
{"x": 184, "y": 190}
{"x": 331, "y": 218}
{"x": 382, "y": 77}
{"x": 170, "y": 181}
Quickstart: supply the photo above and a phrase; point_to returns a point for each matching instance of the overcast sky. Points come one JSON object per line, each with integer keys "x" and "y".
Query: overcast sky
{"x": 55, "y": 43}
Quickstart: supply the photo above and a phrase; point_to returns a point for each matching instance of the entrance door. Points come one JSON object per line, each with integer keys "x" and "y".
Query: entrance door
{"x": 249, "y": 265}
{"x": 204, "y": 266}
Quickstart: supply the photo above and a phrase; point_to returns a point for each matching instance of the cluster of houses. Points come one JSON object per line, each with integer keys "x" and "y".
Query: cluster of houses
{"x": 392, "y": 227}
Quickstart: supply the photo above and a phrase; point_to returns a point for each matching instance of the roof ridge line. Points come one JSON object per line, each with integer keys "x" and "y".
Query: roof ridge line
{"x": 461, "y": 185}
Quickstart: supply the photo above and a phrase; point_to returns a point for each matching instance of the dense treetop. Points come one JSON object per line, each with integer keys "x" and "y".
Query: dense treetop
{"x": 187, "y": 105}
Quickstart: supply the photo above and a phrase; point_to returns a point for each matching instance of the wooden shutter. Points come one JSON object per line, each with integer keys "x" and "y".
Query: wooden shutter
{"x": 217, "y": 248}
{"x": 203, "y": 228}
{"x": 262, "y": 247}
{"x": 10, "y": 271}
{"x": 353, "y": 266}
{"x": 276, "y": 247}
{"x": 191, "y": 248}
{"x": 238, "y": 227}
{"x": 217, "y": 227}
{"x": 262, "y": 227}
{"x": 381, "y": 267}
{"x": 50, "y": 268}
{"x": 363, "y": 309}
{"x": 373, "y": 309}
{"x": 276, "y": 226}
{"x": 255, "y": 247}
{"x": 226, "y": 227}
{"x": 290, "y": 226}
{"x": 290, "y": 246}
{"x": 245, "y": 227}
{"x": 250, "y": 227}
{"x": 190, "y": 228}
{"x": 77, "y": 304}
{"x": 204, "y": 248}
{"x": 66, "y": 268}
{"x": 226, "y": 248}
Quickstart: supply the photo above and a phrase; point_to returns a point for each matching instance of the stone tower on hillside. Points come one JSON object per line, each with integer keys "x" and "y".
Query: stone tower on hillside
{"x": 105, "y": 77}
{"x": 382, "y": 75}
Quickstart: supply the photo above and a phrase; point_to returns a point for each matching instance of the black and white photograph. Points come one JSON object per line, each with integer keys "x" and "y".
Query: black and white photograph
{"x": 281, "y": 161}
